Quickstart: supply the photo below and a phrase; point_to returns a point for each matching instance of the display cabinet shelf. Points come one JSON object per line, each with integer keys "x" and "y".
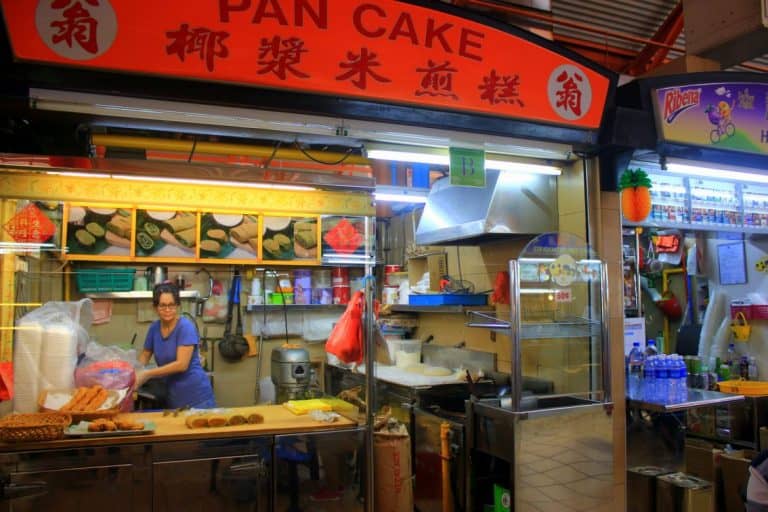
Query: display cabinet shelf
{"x": 185, "y": 294}
{"x": 570, "y": 328}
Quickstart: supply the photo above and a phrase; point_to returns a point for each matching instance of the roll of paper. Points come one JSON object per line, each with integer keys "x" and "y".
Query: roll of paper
{"x": 26, "y": 366}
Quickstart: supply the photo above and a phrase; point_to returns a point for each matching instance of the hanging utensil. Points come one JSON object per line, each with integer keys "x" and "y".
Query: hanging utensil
{"x": 233, "y": 347}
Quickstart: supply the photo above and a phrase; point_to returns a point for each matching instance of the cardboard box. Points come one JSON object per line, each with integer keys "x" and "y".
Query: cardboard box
{"x": 735, "y": 470}
{"x": 436, "y": 264}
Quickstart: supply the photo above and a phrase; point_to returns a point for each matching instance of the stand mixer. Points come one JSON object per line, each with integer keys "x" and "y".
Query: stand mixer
{"x": 291, "y": 372}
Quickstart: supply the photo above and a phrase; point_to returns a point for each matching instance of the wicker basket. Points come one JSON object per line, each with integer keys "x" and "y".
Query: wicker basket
{"x": 33, "y": 427}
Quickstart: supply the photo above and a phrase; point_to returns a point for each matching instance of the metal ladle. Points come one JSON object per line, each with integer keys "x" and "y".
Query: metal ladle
{"x": 200, "y": 303}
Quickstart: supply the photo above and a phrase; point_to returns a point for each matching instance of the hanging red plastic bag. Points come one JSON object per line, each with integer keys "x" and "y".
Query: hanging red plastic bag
{"x": 6, "y": 380}
{"x": 346, "y": 338}
{"x": 501, "y": 288}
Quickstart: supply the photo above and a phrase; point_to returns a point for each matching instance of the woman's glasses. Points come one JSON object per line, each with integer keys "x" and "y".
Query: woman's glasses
{"x": 171, "y": 305}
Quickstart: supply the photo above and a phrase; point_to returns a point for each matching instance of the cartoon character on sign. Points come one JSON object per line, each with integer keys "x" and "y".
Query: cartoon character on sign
{"x": 563, "y": 270}
{"x": 76, "y": 29}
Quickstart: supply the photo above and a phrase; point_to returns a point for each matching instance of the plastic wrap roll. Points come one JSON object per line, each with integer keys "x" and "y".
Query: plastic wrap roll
{"x": 59, "y": 357}
{"x": 27, "y": 352}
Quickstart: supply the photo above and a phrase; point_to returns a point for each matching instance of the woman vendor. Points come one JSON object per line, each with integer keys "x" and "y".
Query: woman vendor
{"x": 173, "y": 340}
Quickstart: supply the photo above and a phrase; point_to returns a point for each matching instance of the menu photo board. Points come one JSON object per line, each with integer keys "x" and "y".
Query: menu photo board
{"x": 166, "y": 233}
{"x": 344, "y": 238}
{"x": 290, "y": 239}
{"x": 98, "y": 232}
{"x": 35, "y": 226}
{"x": 229, "y": 237}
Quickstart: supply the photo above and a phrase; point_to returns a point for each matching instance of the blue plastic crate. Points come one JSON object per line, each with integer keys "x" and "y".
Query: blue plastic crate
{"x": 105, "y": 279}
{"x": 448, "y": 299}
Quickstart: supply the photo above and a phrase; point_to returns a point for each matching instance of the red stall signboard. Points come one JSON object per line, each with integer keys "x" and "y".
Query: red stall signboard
{"x": 30, "y": 226}
{"x": 384, "y": 50}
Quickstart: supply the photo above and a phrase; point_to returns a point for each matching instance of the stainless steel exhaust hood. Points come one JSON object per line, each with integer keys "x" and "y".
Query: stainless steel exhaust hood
{"x": 509, "y": 204}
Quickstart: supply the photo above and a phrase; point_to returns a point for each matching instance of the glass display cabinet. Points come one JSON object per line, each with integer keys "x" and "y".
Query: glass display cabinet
{"x": 554, "y": 429}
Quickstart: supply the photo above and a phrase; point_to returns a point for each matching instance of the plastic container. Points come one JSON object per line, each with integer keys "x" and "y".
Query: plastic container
{"x": 404, "y": 353}
{"x": 340, "y": 276}
{"x": 321, "y": 278}
{"x": 341, "y": 294}
{"x": 744, "y": 387}
{"x": 302, "y": 286}
{"x": 322, "y": 295}
{"x": 438, "y": 299}
{"x": 105, "y": 279}
{"x": 281, "y": 298}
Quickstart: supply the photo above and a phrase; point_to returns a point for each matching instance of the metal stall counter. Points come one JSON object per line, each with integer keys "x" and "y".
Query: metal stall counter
{"x": 253, "y": 467}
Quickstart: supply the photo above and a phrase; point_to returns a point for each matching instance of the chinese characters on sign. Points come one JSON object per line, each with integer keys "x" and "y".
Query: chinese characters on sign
{"x": 386, "y": 50}
{"x": 569, "y": 92}
{"x": 76, "y": 29}
{"x": 76, "y": 24}
{"x": 208, "y": 44}
{"x": 30, "y": 225}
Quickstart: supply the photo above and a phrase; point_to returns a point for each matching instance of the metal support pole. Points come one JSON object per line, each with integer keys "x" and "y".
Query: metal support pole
{"x": 370, "y": 381}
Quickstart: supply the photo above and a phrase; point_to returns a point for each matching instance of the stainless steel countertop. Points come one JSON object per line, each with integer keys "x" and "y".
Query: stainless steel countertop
{"x": 695, "y": 398}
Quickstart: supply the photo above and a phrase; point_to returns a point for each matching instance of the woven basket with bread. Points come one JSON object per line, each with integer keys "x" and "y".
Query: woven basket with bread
{"x": 34, "y": 426}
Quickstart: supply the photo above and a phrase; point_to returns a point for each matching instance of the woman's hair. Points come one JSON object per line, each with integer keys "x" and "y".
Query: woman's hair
{"x": 165, "y": 288}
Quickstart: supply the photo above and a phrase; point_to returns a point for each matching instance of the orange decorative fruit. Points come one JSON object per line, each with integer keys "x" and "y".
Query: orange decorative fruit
{"x": 634, "y": 187}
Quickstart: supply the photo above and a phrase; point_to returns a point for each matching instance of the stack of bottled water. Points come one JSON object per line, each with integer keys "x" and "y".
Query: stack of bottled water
{"x": 665, "y": 379}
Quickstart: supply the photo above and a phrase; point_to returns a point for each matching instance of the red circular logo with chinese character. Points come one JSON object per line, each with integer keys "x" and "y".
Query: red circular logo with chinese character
{"x": 569, "y": 92}
{"x": 76, "y": 29}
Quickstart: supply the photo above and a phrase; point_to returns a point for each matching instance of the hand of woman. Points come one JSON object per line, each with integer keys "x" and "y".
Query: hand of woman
{"x": 142, "y": 376}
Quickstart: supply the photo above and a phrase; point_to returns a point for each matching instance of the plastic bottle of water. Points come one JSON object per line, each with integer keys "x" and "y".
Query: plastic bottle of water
{"x": 677, "y": 378}
{"x": 662, "y": 378}
{"x": 752, "y": 368}
{"x": 649, "y": 379}
{"x": 650, "y": 349}
{"x": 682, "y": 379}
{"x": 635, "y": 369}
{"x": 732, "y": 360}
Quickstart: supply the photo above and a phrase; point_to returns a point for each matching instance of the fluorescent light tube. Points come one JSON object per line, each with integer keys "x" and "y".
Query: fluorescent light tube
{"x": 408, "y": 156}
{"x": 721, "y": 174}
{"x": 503, "y": 165}
{"x": 190, "y": 181}
{"x": 401, "y": 194}
{"x": 439, "y": 156}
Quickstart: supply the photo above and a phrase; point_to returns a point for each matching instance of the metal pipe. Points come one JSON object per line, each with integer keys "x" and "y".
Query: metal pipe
{"x": 445, "y": 463}
{"x": 514, "y": 319}
{"x": 369, "y": 343}
{"x": 605, "y": 333}
{"x": 220, "y": 148}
